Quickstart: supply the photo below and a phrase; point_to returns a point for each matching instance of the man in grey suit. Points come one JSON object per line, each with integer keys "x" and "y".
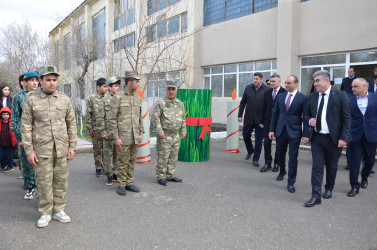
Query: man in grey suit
{"x": 328, "y": 114}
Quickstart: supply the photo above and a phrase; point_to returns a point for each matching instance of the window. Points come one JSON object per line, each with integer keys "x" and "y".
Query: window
{"x": 56, "y": 55}
{"x": 157, "y": 5}
{"x": 99, "y": 34}
{"x": 67, "y": 52}
{"x": 167, "y": 27}
{"x": 216, "y": 11}
{"x": 80, "y": 44}
{"x": 67, "y": 89}
{"x": 157, "y": 83}
{"x": 124, "y": 13}
{"x": 128, "y": 41}
{"x": 305, "y": 0}
{"x": 222, "y": 80}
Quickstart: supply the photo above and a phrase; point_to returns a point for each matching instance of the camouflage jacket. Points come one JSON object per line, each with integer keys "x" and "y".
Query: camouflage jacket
{"x": 18, "y": 104}
{"x": 124, "y": 120}
{"x": 102, "y": 114}
{"x": 169, "y": 116}
{"x": 93, "y": 104}
{"x": 48, "y": 120}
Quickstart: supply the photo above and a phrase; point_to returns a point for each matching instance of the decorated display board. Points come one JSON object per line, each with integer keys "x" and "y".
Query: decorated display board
{"x": 144, "y": 150}
{"x": 196, "y": 146}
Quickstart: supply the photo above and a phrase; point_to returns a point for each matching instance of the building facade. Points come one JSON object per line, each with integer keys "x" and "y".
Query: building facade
{"x": 216, "y": 44}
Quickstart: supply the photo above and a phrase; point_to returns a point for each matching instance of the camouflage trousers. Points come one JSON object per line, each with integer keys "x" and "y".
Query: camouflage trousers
{"x": 52, "y": 183}
{"x": 167, "y": 155}
{"x": 27, "y": 171}
{"x": 126, "y": 165}
{"x": 97, "y": 150}
{"x": 19, "y": 159}
{"x": 110, "y": 153}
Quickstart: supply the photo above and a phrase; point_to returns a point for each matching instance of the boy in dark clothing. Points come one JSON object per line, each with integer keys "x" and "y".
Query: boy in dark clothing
{"x": 7, "y": 140}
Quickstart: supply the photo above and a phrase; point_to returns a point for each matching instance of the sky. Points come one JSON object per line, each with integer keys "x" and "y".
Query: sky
{"x": 42, "y": 14}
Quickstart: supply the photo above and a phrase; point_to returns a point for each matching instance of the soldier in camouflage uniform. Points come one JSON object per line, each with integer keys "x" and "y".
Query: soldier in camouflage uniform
{"x": 49, "y": 135}
{"x": 126, "y": 128}
{"x": 31, "y": 79}
{"x": 94, "y": 104}
{"x": 109, "y": 150}
{"x": 167, "y": 119}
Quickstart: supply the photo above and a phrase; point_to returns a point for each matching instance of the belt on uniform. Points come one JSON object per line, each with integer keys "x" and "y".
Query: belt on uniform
{"x": 324, "y": 135}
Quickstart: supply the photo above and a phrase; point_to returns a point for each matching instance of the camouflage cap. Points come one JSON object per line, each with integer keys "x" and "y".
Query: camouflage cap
{"x": 110, "y": 81}
{"x": 131, "y": 74}
{"x": 31, "y": 74}
{"x": 48, "y": 69}
{"x": 171, "y": 84}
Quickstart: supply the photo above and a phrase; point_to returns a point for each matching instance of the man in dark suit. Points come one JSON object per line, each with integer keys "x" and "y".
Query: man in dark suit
{"x": 328, "y": 114}
{"x": 286, "y": 125}
{"x": 372, "y": 81}
{"x": 252, "y": 100}
{"x": 265, "y": 121}
{"x": 363, "y": 107}
{"x": 347, "y": 81}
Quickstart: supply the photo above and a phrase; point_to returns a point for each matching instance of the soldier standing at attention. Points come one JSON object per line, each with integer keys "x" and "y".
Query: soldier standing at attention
{"x": 49, "y": 135}
{"x": 109, "y": 150}
{"x": 31, "y": 84}
{"x": 126, "y": 128}
{"x": 168, "y": 118}
{"x": 93, "y": 105}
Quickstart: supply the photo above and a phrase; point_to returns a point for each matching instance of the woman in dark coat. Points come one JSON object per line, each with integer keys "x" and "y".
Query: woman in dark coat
{"x": 6, "y": 98}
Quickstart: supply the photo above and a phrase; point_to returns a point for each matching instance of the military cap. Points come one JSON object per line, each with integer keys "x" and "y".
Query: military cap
{"x": 30, "y": 75}
{"x": 131, "y": 74}
{"x": 48, "y": 69}
{"x": 110, "y": 81}
{"x": 171, "y": 84}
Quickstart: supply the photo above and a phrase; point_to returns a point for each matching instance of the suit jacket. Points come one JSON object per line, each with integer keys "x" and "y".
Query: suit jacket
{"x": 364, "y": 124}
{"x": 338, "y": 116}
{"x": 268, "y": 107}
{"x": 347, "y": 84}
{"x": 370, "y": 80}
{"x": 291, "y": 119}
{"x": 252, "y": 100}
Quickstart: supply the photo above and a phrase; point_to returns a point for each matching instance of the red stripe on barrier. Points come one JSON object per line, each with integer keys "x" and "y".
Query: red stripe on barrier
{"x": 139, "y": 158}
{"x": 142, "y": 145}
{"x": 146, "y": 113}
{"x": 233, "y": 133}
{"x": 236, "y": 150}
{"x": 143, "y": 162}
{"x": 233, "y": 110}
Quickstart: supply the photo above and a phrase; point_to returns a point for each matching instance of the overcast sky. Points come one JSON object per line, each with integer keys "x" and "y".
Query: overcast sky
{"x": 42, "y": 14}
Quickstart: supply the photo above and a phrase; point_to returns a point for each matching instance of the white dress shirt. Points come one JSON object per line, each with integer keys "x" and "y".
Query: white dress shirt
{"x": 324, "y": 127}
{"x": 293, "y": 96}
{"x": 362, "y": 103}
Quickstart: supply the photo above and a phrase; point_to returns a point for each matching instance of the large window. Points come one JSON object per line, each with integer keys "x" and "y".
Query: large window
{"x": 127, "y": 41}
{"x": 56, "y": 55}
{"x": 222, "y": 80}
{"x": 216, "y": 11}
{"x": 167, "y": 27}
{"x": 67, "y": 51}
{"x": 124, "y": 13}
{"x": 156, "y": 5}
{"x": 99, "y": 34}
{"x": 157, "y": 83}
{"x": 80, "y": 44}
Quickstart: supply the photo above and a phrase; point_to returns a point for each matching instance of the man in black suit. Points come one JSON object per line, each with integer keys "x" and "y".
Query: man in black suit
{"x": 268, "y": 105}
{"x": 363, "y": 107}
{"x": 328, "y": 114}
{"x": 372, "y": 81}
{"x": 252, "y": 100}
{"x": 286, "y": 125}
{"x": 347, "y": 81}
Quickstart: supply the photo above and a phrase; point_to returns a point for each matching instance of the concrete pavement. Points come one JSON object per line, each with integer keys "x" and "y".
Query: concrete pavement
{"x": 225, "y": 203}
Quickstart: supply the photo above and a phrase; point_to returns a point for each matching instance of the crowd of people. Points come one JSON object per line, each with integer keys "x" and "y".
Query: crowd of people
{"x": 328, "y": 118}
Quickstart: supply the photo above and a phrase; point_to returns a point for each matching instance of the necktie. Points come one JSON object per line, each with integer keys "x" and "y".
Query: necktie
{"x": 274, "y": 94}
{"x": 288, "y": 103}
{"x": 319, "y": 114}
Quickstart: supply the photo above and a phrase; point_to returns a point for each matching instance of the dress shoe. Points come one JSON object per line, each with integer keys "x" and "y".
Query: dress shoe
{"x": 291, "y": 188}
{"x": 312, "y": 202}
{"x": 256, "y": 164}
{"x": 133, "y": 188}
{"x": 121, "y": 191}
{"x": 247, "y": 156}
{"x": 281, "y": 176}
{"x": 276, "y": 168}
{"x": 372, "y": 171}
{"x": 353, "y": 192}
{"x": 364, "y": 184}
{"x": 175, "y": 179}
{"x": 265, "y": 168}
{"x": 162, "y": 182}
{"x": 347, "y": 167}
{"x": 327, "y": 194}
